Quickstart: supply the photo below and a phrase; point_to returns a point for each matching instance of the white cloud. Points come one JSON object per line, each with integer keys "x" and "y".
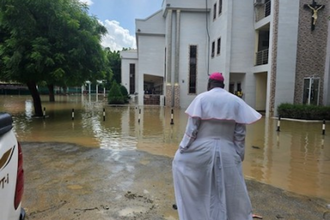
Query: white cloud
{"x": 117, "y": 37}
{"x": 88, "y": 2}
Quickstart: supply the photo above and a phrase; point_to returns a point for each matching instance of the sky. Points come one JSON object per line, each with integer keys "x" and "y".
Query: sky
{"x": 118, "y": 16}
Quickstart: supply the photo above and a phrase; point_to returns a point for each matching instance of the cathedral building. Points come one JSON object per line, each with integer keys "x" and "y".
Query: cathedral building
{"x": 269, "y": 51}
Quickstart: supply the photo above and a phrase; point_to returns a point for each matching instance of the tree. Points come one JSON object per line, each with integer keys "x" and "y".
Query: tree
{"x": 55, "y": 42}
{"x": 115, "y": 96}
{"x": 115, "y": 63}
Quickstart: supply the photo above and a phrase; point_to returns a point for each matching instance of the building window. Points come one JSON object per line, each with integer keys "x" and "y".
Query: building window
{"x": 219, "y": 46}
{"x": 213, "y": 49}
{"x": 131, "y": 78}
{"x": 311, "y": 90}
{"x": 192, "y": 69}
{"x": 220, "y": 7}
{"x": 214, "y": 11}
{"x": 239, "y": 87}
{"x": 232, "y": 88}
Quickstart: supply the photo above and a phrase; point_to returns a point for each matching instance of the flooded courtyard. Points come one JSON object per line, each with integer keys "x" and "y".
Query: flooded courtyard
{"x": 296, "y": 159}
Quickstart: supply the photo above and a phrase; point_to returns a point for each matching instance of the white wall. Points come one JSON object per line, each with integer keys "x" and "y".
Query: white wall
{"x": 128, "y": 57}
{"x": 235, "y": 26}
{"x": 286, "y": 51}
{"x": 261, "y": 88}
{"x": 196, "y": 4}
{"x": 242, "y": 48}
{"x": 250, "y": 89}
{"x": 193, "y": 32}
{"x": 326, "y": 86}
{"x": 220, "y": 27}
{"x": 243, "y": 36}
{"x": 154, "y": 24}
{"x": 151, "y": 48}
{"x": 151, "y": 55}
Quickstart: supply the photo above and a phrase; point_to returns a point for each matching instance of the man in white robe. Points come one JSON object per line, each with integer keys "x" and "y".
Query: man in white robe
{"x": 207, "y": 167}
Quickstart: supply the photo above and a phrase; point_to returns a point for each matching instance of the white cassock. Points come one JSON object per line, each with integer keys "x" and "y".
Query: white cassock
{"x": 207, "y": 167}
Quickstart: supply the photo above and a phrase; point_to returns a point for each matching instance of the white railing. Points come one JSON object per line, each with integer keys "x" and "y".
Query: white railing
{"x": 262, "y": 10}
{"x": 262, "y": 57}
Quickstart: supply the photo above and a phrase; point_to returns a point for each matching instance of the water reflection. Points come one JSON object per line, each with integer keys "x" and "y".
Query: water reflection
{"x": 296, "y": 159}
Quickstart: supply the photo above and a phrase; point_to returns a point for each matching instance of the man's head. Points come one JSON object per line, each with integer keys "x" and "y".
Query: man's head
{"x": 215, "y": 80}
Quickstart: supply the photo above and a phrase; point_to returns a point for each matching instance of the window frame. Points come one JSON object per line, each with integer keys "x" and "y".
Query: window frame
{"x": 219, "y": 46}
{"x": 220, "y": 7}
{"x": 132, "y": 76}
{"x": 214, "y": 11}
{"x": 311, "y": 90}
{"x": 192, "y": 83}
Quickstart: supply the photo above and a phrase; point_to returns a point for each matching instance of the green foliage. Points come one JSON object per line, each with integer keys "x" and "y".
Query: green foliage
{"x": 114, "y": 63}
{"x": 54, "y": 41}
{"x": 124, "y": 92}
{"x": 115, "y": 96}
{"x": 306, "y": 112}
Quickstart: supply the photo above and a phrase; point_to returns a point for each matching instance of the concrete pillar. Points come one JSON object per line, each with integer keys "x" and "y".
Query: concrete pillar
{"x": 177, "y": 47}
{"x": 169, "y": 48}
{"x": 169, "y": 95}
{"x": 176, "y": 95}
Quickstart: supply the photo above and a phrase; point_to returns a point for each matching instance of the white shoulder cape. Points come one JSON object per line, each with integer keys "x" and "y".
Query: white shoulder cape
{"x": 222, "y": 105}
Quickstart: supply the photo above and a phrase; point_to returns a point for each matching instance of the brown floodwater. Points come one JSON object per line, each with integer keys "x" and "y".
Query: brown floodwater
{"x": 297, "y": 158}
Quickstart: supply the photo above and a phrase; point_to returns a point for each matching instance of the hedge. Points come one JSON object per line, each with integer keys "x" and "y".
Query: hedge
{"x": 306, "y": 112}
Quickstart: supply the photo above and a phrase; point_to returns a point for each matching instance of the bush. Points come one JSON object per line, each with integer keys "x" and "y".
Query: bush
{"x": 306, "y": 112}
{"x": 115, "y": 96}
{"x": 124, "y": 92}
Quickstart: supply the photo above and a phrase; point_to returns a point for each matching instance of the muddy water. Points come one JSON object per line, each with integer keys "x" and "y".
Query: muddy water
{"x": 296, "y": 159}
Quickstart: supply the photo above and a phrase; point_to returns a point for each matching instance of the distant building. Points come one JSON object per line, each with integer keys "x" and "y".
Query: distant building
{"x": 13, "y": 88}
{"x": 272, "y": 51}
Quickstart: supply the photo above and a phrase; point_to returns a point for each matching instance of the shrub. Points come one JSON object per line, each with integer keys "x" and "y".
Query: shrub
{"x": 115, "y": 96}
{"x": 307, "y": 112}
{"x": 124, "y": 92}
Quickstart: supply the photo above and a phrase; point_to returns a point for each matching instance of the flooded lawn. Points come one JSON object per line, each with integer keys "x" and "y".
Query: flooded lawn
{"x": 296, "y": 159}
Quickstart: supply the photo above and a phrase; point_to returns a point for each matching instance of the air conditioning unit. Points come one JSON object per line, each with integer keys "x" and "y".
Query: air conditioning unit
{"x": 259, "y": 2}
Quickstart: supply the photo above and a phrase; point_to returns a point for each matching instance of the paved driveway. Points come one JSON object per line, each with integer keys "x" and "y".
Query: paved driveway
{"x": 66, "y": 181}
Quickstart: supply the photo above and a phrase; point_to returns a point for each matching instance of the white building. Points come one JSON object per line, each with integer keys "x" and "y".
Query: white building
{"x": 274, "y": 51}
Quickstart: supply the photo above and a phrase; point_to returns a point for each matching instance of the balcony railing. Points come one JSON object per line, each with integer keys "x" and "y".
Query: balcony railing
{"x": 262, "y": 57}
{"x": 262, "y": 10}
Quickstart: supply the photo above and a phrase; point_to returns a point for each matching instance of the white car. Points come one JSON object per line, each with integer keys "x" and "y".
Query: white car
{"x": 11, "y": 172}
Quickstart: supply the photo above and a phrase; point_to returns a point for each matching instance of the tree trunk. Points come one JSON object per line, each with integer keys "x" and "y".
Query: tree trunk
{"x": 36, "y": 99}
{"x": 51, "y": 92}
